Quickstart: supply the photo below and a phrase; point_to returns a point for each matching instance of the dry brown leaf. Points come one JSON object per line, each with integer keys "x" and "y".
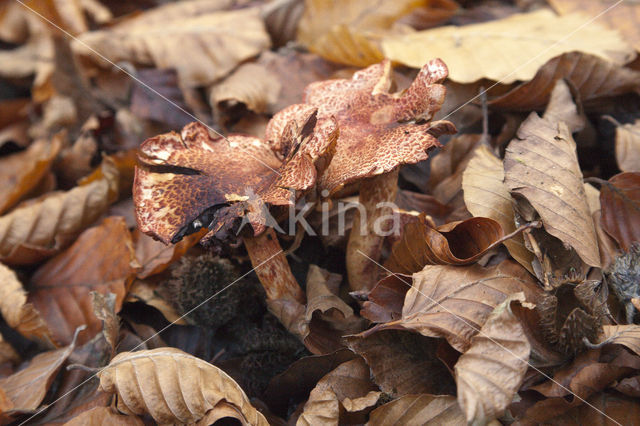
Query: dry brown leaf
{"x": 384, "y": 301}
{"x": 593, "y": 77}
{"x": 490, "y": 373}
{"x": 155, "y": 256}
{"x": 455, "y": 243}
{"x": 620, "y": 203}
{"x": 172, "y": 386}
{"x": 541, "y": 165}
{"x": 281, "y": 18}
{"x": 445, "y": 175}
{"x": 415, "y": 410}
{"x": 490, "y": 50}
{"x": 28, "y": 387}
{"x": 403, "y": 362}
{"x": 7, "y": 354}
{"x": 485, "y": 194}
{"x": 41, "y": 229}
{"x": 102, "y": 259}
{"x": 104, "y": 307}
{"x": 20, "y": 315}
{"x": 626, "y": 335}
{"x": 454, "y": 302}
{"x": 21, "y": 172}
{"x": 620, "y": 16}
{"x": 103, "y": 416}
{"x": 348, "y": 32}
{"x": 624, "y": 411}
{"x": 348, "y": 386}
{"x": 251, "y": 84}
{"x": 163, "y": 38}
{"x": 628, "y": 147}
{"x": 145, "y": 291}
{"x": 33, "y": 58}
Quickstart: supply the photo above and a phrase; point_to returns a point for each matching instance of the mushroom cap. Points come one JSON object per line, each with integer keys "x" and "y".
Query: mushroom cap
{"x": 375, "y": 133}
{"x": 193, "y": 179}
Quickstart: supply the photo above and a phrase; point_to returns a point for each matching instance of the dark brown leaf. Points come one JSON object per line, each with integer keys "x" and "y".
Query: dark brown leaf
{"x": 620, "y": 201}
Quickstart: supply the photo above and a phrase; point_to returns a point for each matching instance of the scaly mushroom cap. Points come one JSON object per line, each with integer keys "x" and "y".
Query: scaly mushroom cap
{"x": 375, "y": 133}
{"x": 195, "y": 179}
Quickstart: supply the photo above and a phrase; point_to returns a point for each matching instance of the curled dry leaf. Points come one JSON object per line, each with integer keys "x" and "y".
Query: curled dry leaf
{"x": 593, "y": 77}
{"x": 155, "y": 256}
{"x": 347, "y": 386}
{"x": 620, "y": 203}
{"x": 27, "y": 388}
{"x": 541, "y": 165}
{"x": 238, "y": 35}
{"x": 102, "y": 259}
{"x": 145, "y": 291}
{"x": 485, "y": 194}
{"x": 251, "y": 84}
{"x": 423, "y": 409}
{"x": 454, "y": 302}
{"x": 489, "y": 50}
{"x": 626, "y": 335}
{"x": 20, "y": 315}
{"x": 403, "y": 362}
{"x": 384, "y": 301}
{"x": 347, "y": 32}
{"x": 23, "y": 171}
{"x": 490, "y": 373}
{"x": 172, "y": 386}
{"x": 455, "y": 243}
{"x": 105, "y": 416}
{"x": 104, "y": 308}
{"x": 281, "y": 18}
{"x": 628, "y": 147}
{"x": 34, "y": 232}
{"x": 7, "y": 354}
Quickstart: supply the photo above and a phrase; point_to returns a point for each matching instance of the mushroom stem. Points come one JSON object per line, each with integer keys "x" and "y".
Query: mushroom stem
{"x": 365, "y": 240}
{"x": 272, "y": 267}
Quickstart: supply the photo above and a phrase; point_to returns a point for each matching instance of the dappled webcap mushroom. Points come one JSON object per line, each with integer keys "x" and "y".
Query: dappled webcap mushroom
{"x": 194, "y": 179}
{"x": 379, "y": 131}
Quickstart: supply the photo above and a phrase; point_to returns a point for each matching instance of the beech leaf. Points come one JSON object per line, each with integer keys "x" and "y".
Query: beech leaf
{"x": 105, "y": 416}
{"x": 620, "y": 203}
{"x": 422, "y": 409}
{"x": 172, "y": 386}
{"x": 490, "y": 373}
{"x": 628, "y": 147}
{"x": 626, "y": 335}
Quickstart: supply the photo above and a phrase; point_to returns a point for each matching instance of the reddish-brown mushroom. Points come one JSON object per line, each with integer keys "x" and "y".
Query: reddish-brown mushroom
{"x": 195, "y": 180}
{"x": 379, "y": 131}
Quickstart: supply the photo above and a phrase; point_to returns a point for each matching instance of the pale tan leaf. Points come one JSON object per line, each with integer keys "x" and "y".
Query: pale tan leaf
{"x": 626, "y": 335}
{"x": 19, "y": 314}
{"x": 348, "y": 31}
{"x": 454, "y": 302}
{"x": 102, "y": 259}
{"x": 162, "y": 40}
{"x": 145, "y": 291}
{"x": 486, "y": 195}
{"x": 593, "y": 78}
{"x": 490, "y": 373}
{"x": 541, "y": 165}
{"x": 418, "y": 410}
{"x": 33, "y": 58}
{"x": 103, "y": 416}
{"x": 251, "y": 84}
{"x": 348, "y": 382}
{"x": 628, "y": 147}
{"x": 28, "y": 387}
{"x": 31, "y": 233}
{"x": 282, "y": 18}
{"x": 621, "y": 16}
{"x": 22, "y": 171}
{"x": 508, "y": 49}
{"x": 104, "y": 306}
{"x": 172, "y": 386}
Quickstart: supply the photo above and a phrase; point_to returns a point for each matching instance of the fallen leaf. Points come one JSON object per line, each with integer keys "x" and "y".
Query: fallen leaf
{"x": 104, "y": 308}
{"x": 485, "y": 194}
{"x": 347, "y": 32}
{"x": 625, "y": 335}
{"x": 489, "y": 50}
{"x": 541, "y": 165}
{"x": 21, "y": 172}
{"x": 7, "y": 354}
{"x": 448, "y": 165}
{"x": 103, "y": 416}
{"x": 348, "y": 386}
{"x": 593, "y": 77}
{"x": 155, "y": 256}
{"x": 43, "y": 228}
{"x": 238, "y": 35}
{"x": 28, "y": 387}
{"x": 403, "y": 363}
{"x": 455, "y": 243}
{"x": 384, "y": 301}
{"x": 281, "y": 18}
{"x": 102, "y": 259}
{"x": 620, "y": 203}
{"x": 421, "y": 409}
{"x": 20, "y": 315}
{"x": 145, "y": 291}
{"x": 454, "y": 302}
{"x": 623, "y": 17}
{"x": 604, "y": 408}
{"x": 172, "y": 386}
{"x": 251, "y": 84}
{"x": 489, "y": 374}
{"x": 628, "y": 146}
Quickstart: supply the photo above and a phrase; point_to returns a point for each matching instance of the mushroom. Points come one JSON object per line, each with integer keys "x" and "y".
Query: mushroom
{"x": 379, "y": 131}
{"x": 194, "y": 180}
